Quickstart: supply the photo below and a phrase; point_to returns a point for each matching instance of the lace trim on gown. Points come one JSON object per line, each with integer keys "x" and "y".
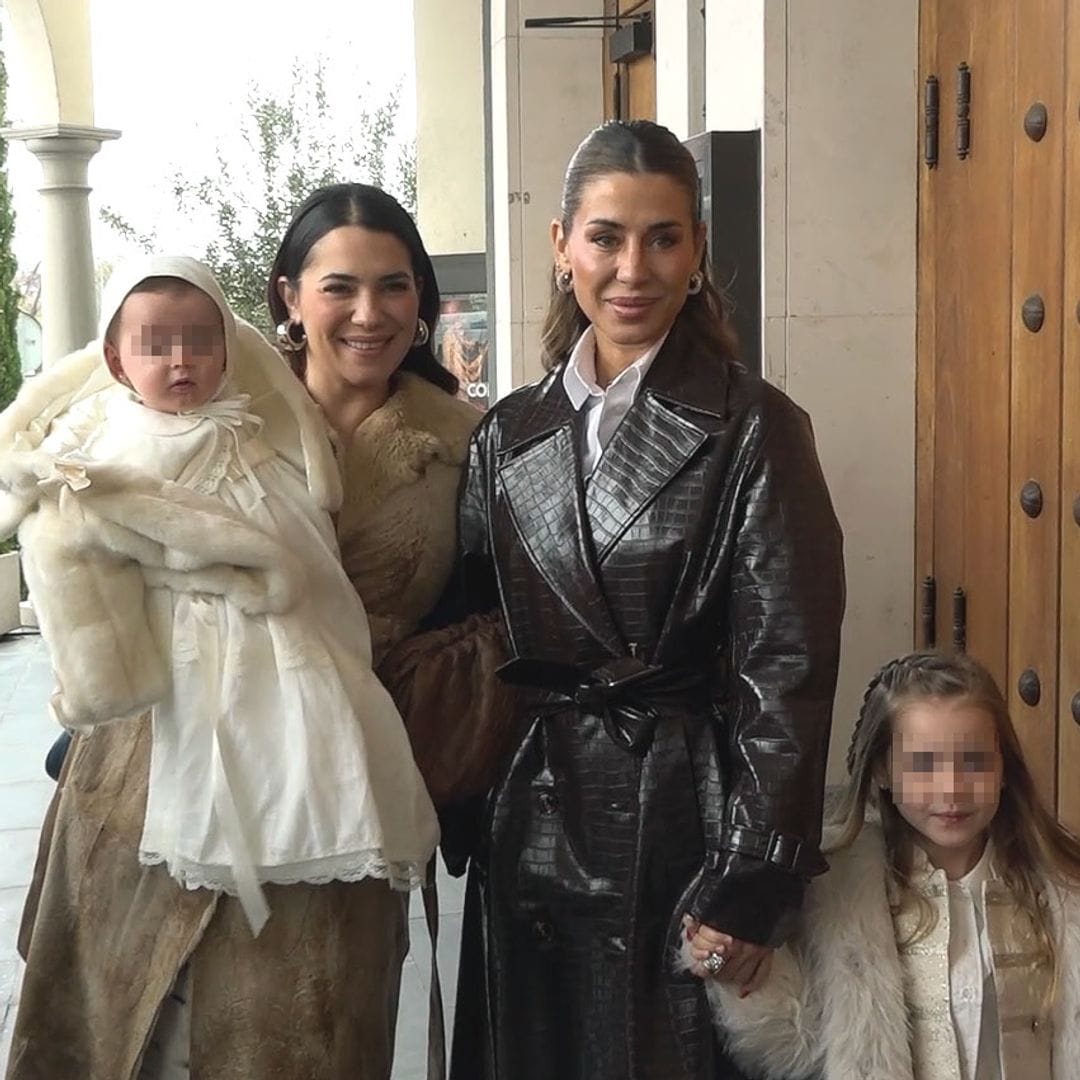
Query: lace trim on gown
{"x": 402, "y": 876}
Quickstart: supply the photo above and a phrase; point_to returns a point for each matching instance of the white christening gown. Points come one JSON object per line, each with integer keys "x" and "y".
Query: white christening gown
{"x": 278, "y": 756}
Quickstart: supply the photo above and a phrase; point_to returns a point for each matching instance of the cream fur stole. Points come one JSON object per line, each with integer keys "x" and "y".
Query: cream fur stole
{"x": 97, "y": 536}
{"x": 834, "y": 1002}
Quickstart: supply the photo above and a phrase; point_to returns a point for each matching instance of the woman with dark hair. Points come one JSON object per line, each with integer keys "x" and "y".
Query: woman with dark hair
{"x": 655, "y": 525}
{"x": 145, "y": 978}
{"x": 373, "y": 211}
{"x": 356, "y": 302}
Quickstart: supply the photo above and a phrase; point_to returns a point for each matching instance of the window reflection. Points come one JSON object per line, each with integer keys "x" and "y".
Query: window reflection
{"x": 461, "y": 344}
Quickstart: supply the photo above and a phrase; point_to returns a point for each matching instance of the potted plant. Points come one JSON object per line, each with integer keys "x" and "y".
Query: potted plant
{"x": 10, "y": 587}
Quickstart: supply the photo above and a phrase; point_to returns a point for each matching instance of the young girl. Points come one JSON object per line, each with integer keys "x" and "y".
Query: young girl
{"x": 180, "y": 552}
{"x": 944, "y": 943}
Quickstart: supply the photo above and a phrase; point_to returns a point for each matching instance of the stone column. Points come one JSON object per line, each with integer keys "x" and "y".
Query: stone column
{"x": 839, "y": 263}
{"x": 547, "y": 93}
{"x": 680, "y": 66}
{"x": 68, "y": 293}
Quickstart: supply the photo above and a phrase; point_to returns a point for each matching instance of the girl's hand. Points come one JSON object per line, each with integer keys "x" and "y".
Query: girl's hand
{"x": 745, "y": 964}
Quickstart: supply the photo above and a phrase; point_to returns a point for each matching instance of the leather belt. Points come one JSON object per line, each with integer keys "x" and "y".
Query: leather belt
{"x": 628, "y": 695}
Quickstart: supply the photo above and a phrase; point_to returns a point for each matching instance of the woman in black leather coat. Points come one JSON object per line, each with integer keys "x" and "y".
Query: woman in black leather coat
{"x": 655, "y": 525}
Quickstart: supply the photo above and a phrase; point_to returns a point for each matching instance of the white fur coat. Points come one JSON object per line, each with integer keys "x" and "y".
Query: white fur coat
{"x": 97, "y": 536}
{"x": 834, "y": 1005}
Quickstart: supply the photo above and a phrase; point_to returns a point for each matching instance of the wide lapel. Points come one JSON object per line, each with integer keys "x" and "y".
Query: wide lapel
{"x": 539, "y": 472}
{"x": 682, "y": 403}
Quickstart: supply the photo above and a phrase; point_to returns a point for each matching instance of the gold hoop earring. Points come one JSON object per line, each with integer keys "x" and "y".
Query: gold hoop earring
{"x": 696, "y": 283}
{"x": 423, "y": 334}
{"x": 287, "y": 338}
{"x": 564, "y": 281}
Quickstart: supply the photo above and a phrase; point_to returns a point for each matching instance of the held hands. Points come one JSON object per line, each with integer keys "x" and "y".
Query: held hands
{"x": 726, "y": 959}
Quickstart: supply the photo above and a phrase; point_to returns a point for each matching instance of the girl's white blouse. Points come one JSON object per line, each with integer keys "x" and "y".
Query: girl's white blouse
{"x": 972, "y": 994}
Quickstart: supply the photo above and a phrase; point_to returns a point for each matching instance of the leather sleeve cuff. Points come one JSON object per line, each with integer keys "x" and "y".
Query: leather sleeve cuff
{"x": 776, "y": 848}
{"x": 753, "y": 883}
{"x": 751, "y": 900}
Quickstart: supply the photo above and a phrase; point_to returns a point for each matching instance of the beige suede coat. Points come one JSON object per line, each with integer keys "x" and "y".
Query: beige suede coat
{"x": 314, "y": 997}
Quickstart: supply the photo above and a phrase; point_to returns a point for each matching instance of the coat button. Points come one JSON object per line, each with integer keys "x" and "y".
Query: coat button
{"x": 616, "y": 945}
{"x": 543, "y": 931}
{"x": 549, "y": 803}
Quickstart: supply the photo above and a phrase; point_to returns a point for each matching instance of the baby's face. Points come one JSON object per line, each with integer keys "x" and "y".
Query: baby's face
{"x": 169, "y": 347}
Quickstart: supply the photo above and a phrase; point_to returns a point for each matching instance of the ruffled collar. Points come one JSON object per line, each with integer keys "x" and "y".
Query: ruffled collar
{"x": 228, "y": 409}
{"x": 923, "y": 870}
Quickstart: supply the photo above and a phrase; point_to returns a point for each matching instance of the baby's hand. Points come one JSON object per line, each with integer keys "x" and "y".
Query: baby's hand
{"x": 744, "y": 963}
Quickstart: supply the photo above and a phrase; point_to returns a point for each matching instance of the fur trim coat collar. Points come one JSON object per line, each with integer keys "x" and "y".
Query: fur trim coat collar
{"x": 397, "y": 524}
{"x": 418, "y": 425}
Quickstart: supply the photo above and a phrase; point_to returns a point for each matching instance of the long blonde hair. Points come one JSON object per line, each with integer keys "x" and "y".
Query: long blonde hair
{"x": 1030, "y": 845}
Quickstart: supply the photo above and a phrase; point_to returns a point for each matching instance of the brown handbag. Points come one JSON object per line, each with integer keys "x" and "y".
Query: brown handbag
{"x": 461, "y": 718}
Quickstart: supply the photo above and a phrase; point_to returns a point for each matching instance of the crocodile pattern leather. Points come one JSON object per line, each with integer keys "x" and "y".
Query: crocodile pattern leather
{"x": 705, "y": 539}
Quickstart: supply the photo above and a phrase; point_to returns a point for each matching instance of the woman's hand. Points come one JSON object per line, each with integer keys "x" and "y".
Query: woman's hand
{"x": 744, "y": 963}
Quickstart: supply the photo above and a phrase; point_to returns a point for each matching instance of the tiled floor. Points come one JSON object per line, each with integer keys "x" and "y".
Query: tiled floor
{"x": 26, "y": 733}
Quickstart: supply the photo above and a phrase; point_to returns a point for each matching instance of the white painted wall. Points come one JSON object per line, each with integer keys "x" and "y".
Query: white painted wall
{"x": 735, "y": 63}
{"x": 680, "y": 66}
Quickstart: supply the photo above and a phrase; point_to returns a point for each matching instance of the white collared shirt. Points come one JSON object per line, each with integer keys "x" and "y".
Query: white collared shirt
{"x": 972, "y": 993}
{"x": 604, "y": 408}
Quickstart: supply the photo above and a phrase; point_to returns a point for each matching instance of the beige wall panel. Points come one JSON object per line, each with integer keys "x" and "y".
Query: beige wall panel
{"x": 450, "y": 126}
{"x": 852, "y": 142}
{"x": 855, "y": 376}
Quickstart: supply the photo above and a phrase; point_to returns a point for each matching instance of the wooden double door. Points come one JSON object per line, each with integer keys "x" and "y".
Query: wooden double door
{"x": 998, "y": 374}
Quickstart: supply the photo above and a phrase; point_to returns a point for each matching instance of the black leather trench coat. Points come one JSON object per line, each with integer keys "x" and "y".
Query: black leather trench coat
{"x": 676, "y": 620}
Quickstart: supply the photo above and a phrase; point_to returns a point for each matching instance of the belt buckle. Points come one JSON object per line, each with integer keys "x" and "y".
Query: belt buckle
{"x": 783, "y": 850}
{"x": 622, "y": 671}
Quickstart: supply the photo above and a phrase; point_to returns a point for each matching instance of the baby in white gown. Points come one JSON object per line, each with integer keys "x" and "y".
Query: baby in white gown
{"x": 200, "y": 468}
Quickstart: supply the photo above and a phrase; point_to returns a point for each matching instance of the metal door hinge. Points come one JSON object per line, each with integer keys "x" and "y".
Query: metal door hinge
{"x": 929, "y": 613}
{"x": 963, "y": 111}
{"x": 931, "y": 112}
{"x": 959, "y": 621}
